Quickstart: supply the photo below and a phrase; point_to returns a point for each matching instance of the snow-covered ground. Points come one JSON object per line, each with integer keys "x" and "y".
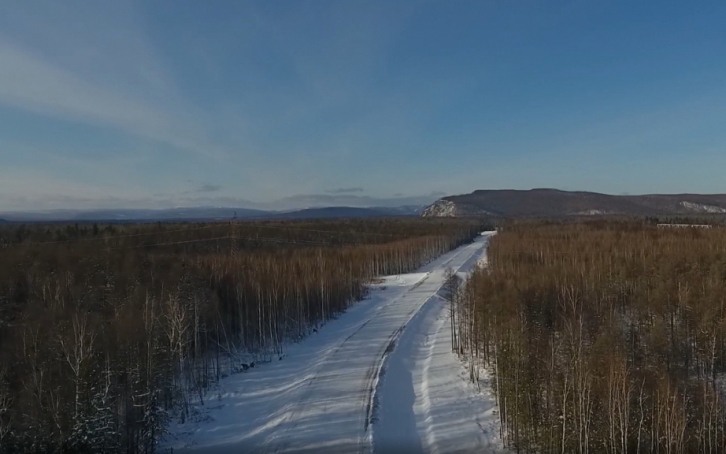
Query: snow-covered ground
{"x": 425, "y": 400}
{"x": 700, "y": 208}
{"x": 381, "y": 376}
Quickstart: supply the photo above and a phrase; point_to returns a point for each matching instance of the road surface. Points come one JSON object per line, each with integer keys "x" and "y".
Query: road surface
{"x": 380, "y": 378}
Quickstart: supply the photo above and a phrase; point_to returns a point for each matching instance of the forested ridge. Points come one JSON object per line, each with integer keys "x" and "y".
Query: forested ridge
{"x": 109, "y": 331}
{"x": 602, "y": 336}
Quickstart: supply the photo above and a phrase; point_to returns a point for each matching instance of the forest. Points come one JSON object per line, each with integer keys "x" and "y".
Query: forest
{"x": 109, "y": 331}
{"x": 601, "y": 336}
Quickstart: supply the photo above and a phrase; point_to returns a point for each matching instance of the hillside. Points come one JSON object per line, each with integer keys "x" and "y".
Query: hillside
{"x": 553, "y": 202}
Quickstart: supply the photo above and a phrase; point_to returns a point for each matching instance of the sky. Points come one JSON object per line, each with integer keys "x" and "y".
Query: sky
{"x": 155, "y": 104}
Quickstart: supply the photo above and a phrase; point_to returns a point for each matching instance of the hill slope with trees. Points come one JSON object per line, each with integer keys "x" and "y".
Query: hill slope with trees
{"x": 555, "y": 203}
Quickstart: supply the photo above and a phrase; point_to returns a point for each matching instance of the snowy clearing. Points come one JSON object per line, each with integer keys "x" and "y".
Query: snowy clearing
{"x": 380, "y": 376}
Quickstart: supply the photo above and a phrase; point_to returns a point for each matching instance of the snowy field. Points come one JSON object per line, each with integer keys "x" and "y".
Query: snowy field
{"x": 381, "y": 378}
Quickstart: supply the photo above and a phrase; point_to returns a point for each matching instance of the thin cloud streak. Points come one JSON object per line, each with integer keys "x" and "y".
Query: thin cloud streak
{"x": 209, "y": 188}
{"x": 55, "y": 195}
{"x": 32, "y": 84}
{"x": 344, "y": 190}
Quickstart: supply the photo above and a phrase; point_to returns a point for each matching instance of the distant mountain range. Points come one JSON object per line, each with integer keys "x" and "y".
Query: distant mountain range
{"x": 351, "y": 212}
{"x": 498, "y": 203}
{"x": 555, "y": 203}
{"x": 205, "y": 214}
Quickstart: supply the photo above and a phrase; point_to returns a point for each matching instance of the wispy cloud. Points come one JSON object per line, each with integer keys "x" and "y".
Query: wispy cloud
{"x": 21, "y": 189}
{"x": 30, "y": 83}
{"x": 209, "y": 188}
{"x": 323, "y": 200}
{"x": 33, "y": 190}
{"x": 344, "y": 190}
{"x": 103, "y": 72}
{"x": 121, "y": 110}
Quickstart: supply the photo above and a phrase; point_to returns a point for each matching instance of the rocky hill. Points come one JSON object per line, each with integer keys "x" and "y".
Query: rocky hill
{"x": 554, "y": 203}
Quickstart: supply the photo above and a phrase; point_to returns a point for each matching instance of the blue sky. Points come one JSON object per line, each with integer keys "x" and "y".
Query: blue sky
{"x": 154, "y": 104}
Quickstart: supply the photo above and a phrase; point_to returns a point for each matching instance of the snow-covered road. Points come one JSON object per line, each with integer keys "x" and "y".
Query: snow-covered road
{"x": 380, "y": 377}
{"x": 427, "y": 402}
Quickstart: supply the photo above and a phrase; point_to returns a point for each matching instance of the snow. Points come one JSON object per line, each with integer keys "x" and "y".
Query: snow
{"x": 448, "y": 209}
{"x": 593, "y": 212}
{"x": 700, "y": 208}
{"x": 426, "y": 402}
{"x": 399, "y": 280}
{"x": 382, "y": 372}
{"x": 441, "y": 208}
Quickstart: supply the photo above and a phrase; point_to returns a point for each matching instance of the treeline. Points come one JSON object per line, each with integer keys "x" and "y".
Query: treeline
{"x": 107, "y": 332}
{"x": 603, "y": 336}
